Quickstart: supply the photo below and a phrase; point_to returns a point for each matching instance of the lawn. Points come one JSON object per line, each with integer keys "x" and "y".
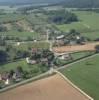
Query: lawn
{"x": 85, "y": 75}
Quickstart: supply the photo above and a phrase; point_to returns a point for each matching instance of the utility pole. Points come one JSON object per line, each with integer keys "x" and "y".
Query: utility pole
{"x": 92, "y": 5}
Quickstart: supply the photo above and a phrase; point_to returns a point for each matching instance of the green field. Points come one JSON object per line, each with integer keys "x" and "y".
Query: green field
{"x": 21, "y": 26}
{"x": 14, "y": 65}
{"x": 85, "y": 75}
{"x": 35, "y": 69}
{"x": 10, "y": 17}
{"x": 22, "y": 35}
{"x": 39, "y": 45}
{"x": 75, "y": 56}
{"x": 88, "y": 24}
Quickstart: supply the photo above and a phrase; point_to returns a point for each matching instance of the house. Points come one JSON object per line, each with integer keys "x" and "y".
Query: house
{"x": 34, "y": 50}
{"x": 64, "y": 57}
{"x": 17, "y": 75}
{"x": 7, "y": 82}
{"x": 60, "y": 37}
{"x": 5, "y": 78}
{"x": 44, "y": 60}
{"x": 30, "y": 61}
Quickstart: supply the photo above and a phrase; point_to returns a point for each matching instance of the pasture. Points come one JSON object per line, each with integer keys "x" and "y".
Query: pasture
{"x": 85, "y": 75}
{"x": 21, "y": 35}
{"x": 13, "y": 65}
{"x": 87, "y": 25}
{"x": 38, "y": 45}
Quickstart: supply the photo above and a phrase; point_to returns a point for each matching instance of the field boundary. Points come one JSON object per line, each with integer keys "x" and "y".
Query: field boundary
{"x": 73, "y": 85}
{"x": 80, "y": 60}
{"x": 46, "y": 74}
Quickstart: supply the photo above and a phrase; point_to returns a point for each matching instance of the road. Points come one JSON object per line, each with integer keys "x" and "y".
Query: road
{"x": 24, "y": 82}
{"x": 52, "y": 70}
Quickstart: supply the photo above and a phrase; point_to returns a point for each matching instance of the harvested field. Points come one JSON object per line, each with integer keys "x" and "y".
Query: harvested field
{"x": 74, "y": 48}
{"x": 51, "y": 88}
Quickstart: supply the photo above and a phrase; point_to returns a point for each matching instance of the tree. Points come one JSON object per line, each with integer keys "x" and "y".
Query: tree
{"x": 97, "y": 48}
{"x": 2, "y": 42}
{"x": 62, "y": 17}
{"x": 3, "y": 56}
{"x": 2, "y": 28}
{"x": 20, "y": 69}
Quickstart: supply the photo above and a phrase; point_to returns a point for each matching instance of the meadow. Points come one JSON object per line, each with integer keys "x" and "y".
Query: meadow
{"x": 39, "y": 45}
{"x": 87, "y": 25}
{"x": 85, "y": 75}
{"x": 22, "y": 35}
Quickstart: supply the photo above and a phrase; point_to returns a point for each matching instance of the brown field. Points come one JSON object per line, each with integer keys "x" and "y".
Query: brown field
{"x": 51, "y": 88}
{"x": 86, "y": 47}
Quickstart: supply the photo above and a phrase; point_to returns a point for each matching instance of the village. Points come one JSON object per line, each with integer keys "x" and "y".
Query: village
{"x": 49, "y": 58}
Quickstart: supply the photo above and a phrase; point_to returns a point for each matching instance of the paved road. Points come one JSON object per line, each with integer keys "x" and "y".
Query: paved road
{"x": 44, "y": 74}
{"x": 24, "y": 82}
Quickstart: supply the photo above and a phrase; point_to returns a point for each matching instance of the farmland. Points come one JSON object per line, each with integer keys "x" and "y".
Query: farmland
{"x": 30, "y": 41}
{"x": 73, "y": 57}
{"x": 74, "y": 48}
{"x": 88, "y": 24}
{"x": 85, "y": 76}
{"x": 22, "y": 26}
{"x": 51, "y": 88}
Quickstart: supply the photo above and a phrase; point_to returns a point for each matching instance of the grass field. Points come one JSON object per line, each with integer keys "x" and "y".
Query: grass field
{"x": 23, "y": 26}
{"x": 79, "y": 55}
{"x": 88, "y": 24}
{"x": 10, "y": 17}
{"x": 39, "y": 45}
{"x": 14, "y": 65}
{"x": 21, "y": 35}
{"x": 75, "y": 56}
{"x": 85, "y": 75}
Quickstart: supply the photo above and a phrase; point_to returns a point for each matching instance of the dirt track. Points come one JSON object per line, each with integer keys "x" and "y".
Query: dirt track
{"x": 86, "y": 47}
{"x": 51, "y": 88}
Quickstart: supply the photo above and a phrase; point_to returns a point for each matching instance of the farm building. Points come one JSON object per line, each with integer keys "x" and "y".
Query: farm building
{"x": 30, "y": 61}
{"x": 64, "y": 57}
{"x": 60, "y": 37}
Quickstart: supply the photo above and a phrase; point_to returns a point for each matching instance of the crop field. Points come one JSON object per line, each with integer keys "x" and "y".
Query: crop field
{"x": 85, "y": 76}
{"x": 88, "y": 24}
{"x": 74, "y": 48}
{"x": 51, "y": 88}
